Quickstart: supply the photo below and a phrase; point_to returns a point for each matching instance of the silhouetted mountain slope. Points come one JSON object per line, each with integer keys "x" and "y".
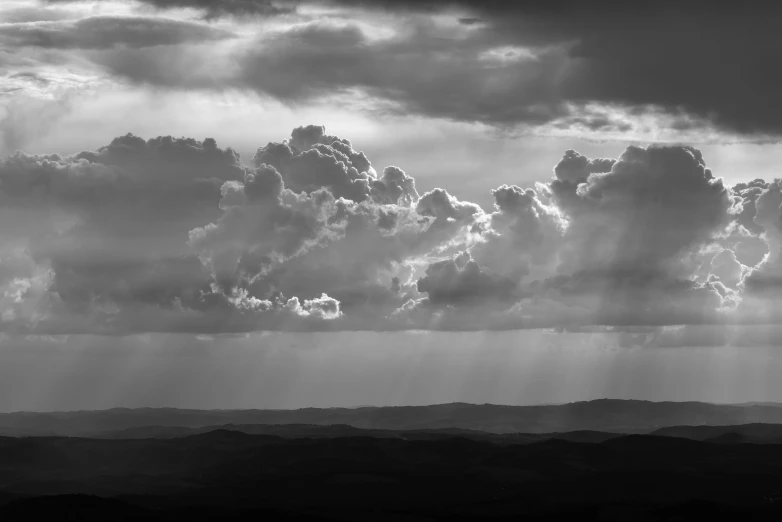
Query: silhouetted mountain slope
{"x": 223, "y": 474}
{"x": 745, "y": 433}
{"x": 293, "y": 431}
{"x": 601, "y": 415}
{"x": 298, "y": 431}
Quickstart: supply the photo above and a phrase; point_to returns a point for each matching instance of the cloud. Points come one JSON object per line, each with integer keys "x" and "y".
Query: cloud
{"x": 177, "y": 234}
{"x": 524, "y": 233}
{"x": 32, "y": 13}
{"x": 765, "y": 278}
{"x": 107, "y": 229}
{"x": 615, "y": 54}
{"x": 646, "y": 213}
{"x": 49, "y": 61}
{"x": 263, "y": 223}
{"x": 104, "y": 32}
{"x": 323, "y": 307}
{"x": 285, "y": 232}
{"x": 728, "y": 269}
{"x": 512, "y": 65}
{"x": 461, "y": 281}
{"x": 322, "y": 58}
{"x": 314, "y": 160}
{"x": 749, "y": 193}
{"x": 635, "y": 234}
{"x": 612, "y": 242}
{"x": 576, "y": 168}
{"x": 212, "y": 9}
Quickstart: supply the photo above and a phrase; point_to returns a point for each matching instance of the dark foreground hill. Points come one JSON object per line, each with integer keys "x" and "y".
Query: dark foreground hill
{"x": 224, "y": 475}
{"x": 616, "y": 416}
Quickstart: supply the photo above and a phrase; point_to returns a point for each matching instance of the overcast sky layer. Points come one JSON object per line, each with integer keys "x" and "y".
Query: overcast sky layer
{"x": 219, "y": 177}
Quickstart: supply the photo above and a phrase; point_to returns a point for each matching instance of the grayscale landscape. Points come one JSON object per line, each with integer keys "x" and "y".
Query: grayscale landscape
{"x": 394, "y": 260}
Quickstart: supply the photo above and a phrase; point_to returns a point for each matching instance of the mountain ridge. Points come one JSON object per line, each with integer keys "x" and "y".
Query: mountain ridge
{"x": 369, "y": 406}
{"x": 603, "y": 415}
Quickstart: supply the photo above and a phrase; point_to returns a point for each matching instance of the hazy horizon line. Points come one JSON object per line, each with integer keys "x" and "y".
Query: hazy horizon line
{"x": 87, "y": 410}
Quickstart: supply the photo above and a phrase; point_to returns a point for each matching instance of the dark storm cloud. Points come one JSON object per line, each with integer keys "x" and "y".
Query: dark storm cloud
{"x": 102, "y": 32}
{"x": 705, "y": 61}
{"x": 709, "y": 60}
{"x": 320, "y": 58}
{"x": 570, "y": 65}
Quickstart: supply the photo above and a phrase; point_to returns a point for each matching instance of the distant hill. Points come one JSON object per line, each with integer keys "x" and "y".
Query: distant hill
{"x": 756, "y": 403}
{"x": 605, "y": 415}
{"x": 744, "y": 433}
{"x": 331, "y": 431}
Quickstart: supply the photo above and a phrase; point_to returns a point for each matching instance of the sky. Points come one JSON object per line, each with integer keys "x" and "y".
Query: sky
{"x": 292, "y": 203}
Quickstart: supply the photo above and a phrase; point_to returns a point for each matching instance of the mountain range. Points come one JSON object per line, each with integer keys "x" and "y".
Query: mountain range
{"x": 605, "y": 415}
{"x": 603, "y": 460}
{"x": 229, "y": 475}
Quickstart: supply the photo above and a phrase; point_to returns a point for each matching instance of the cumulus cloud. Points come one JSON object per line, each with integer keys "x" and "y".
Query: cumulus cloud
{"x": 177, "y": 234}
{"x": 461, "y": 281}
{"x": 394, "y": 186}
{"x": 765, "y": 278}
{"x": 263, "y": 223}
{"x": 524, "y": 234}
{"x": 319, "y": 225}
{"x": 646, "y": 213}
{"x": 749, "y": 193}
{"x": 727, "y": 268}
{"x": 332, "y": 162}
{"x": 102, "y": 225}
{"x": 323, "y": 307}
{"x": 576, "y": 168}
{"x": 613, "y": 242}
